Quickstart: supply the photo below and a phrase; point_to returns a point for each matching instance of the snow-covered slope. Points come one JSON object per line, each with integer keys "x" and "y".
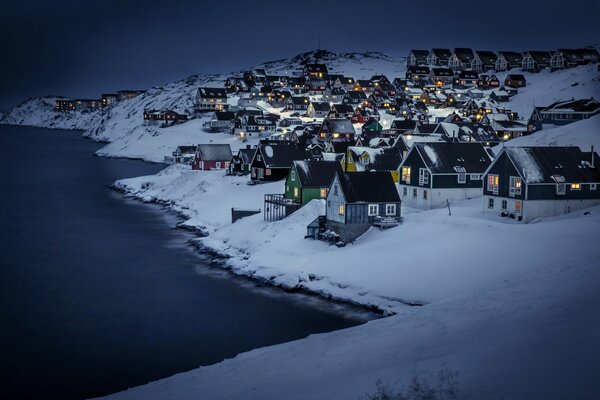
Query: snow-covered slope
{"x": 532, "y": 335}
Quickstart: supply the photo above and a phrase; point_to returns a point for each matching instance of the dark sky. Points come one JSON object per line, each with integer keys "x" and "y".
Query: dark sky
{"x": 80, "y": 48}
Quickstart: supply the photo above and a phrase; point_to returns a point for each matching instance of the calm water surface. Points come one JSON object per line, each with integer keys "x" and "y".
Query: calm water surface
{"x": 99, "y": 293}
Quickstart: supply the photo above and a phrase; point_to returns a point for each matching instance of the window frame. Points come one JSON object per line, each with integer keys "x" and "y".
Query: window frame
{"x": 490, "y": 202}
{"x": 390, "y": 209}
{"x": 415, "y": 193}
{"x": 372, "y": 210}
{"x": 405, "y": 174}
{"x": 423, "y": 177}
{"x": 575, "y": 186}
{"x": 341, "y": 209}
{"x": 494, "y": 184}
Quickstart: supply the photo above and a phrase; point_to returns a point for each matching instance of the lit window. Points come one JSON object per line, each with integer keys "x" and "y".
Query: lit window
{"x": 515, "y": 186}
{"x": 518, "y": 206}
{"x": 575, "y": 186}
{"x": 295, "y": 192}
{"x": 373, "y": 209}
{"x": 323, "y": 193}
{"x": 341, "y": 209}
{"x": 492, "y": 183}
{"x": 406, "y": 174}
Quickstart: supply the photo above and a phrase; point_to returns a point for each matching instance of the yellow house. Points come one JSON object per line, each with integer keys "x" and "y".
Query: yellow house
{"x": 359, "y": 159}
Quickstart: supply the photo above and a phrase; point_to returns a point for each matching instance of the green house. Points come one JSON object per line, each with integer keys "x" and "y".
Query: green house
{"x": 308, "y": 180}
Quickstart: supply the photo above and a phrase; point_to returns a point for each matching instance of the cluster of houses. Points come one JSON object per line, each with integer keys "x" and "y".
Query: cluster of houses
{"x": 104, "y": 101}
{"x": 460, "y": 59}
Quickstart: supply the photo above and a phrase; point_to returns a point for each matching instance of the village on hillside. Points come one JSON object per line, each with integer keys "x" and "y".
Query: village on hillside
{"x": 371, "y": 147}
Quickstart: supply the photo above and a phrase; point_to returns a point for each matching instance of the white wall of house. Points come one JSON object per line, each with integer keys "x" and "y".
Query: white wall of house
{"x": 532, "y": 209}
{"x": 335, "y": 198}
{"x": 436, "y": 198}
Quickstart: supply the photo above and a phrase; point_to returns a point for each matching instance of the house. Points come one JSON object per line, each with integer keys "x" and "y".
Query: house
{"x": 401, "y": 127}
{"x": 285, "y": 122}
{"x": 182, "y": 154}
{"x": 318, "y": 109}
{"x": 432, "y": 174}
{"x": 356, "y": 201}
{"x": 364, "y": 85}
{"x": 355, "y": 98}
{"x": 297, "y": 103}
{"x": 341, "y": 111}
{"x": 535, "y": 61}
{"x": 212, "y": 156}
{"x": 308, "y": 180}
{"x": 315, "y": 86}
{"x": 371, "y": 129}
{"x": 240, "y": 162}
{"x": 565, "y": 112}
{"x": 296, "y": 84}
{"x": 508, "y": 60}
{"x": 441, "y": 76}
{"x": 345, "y": 82}
{"x": 363, "y": 114}
{"x": 460, "y": 59}
{"x": 515, "y": 81}
{"x": 315, "y": 70}
{"x": 279, "y": 98}
{"x": 257, "y": 125}
{"x": 211, "y": 99}
{"x": 417, "y": 74}
{"x": 236, "y": 84}
{"x": 129, "y": 94}
{"x": 385, "y": 89}
{"x": 337, "y": 129}
{"x": 488, "y": 81}
{"x": 526, "y": 183}
{"x": 500, "y": 95}
{"x": 272, "y": 160}
{"x": 221, "y": 121}
{"x": 484, "y": 61}
{"x": 163, "y": 117}
{"x": 417, "y": 57}
{"x": 439, "y": 57}
{"x": 64, "y": 105}
{"x": 87, "y": 104}
{"x": 108, "y": 99}
{"x": 334, "y": 95}
{"x": 504, "y": 127}
{"x": 466, "y": 132}
{"x": 466, "y": 79}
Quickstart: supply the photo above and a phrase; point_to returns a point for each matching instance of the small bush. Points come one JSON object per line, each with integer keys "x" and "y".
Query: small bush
{"x": 444, "y": 388}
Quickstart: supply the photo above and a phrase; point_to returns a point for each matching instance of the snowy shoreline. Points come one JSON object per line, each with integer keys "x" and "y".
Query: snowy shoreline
{"x": 219, "y": 259}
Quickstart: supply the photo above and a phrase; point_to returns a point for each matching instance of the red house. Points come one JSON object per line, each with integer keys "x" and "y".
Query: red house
{"x": 212, "y": 156}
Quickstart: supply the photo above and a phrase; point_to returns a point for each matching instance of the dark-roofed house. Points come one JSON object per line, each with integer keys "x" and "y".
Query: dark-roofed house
{"x": 535, "y": 61}
{"x": 342, "y": 111}
{"x": 432, "y": 174}
{"x": 298, "y": 103}
{"x": 526, "y": 183}
{"x": 417, "y": 74}
{"x": 515, "y": 81}
{"x": 315, "y": 86}
{"x": 182, "y": 154}
{"x": 466, "y": 79}
{"x": 441, "y": 76}
{"x": 337, "y": 129}
{"x": 272, "y": 160}
{"x": 439, "y": 57}
{"x": 212, "y": 156}
{"x": 315, "y": 70}
{"x": 240, "y": 162}
{"x": 467, "y": 132}
{"x": 358, "y": 200}
{"x": 400, "y": 126}
{"x": 355, "y": 98}
{"x": 508, "y": 60}
{"x": 565, "y": 112}
{"x": 318, "y": 109}
{"x": 484, "y": 61}
{"x": 211, "y": 99}
{"x": 460, "y": 59}
{"x": 488, "y": 81}
{"x": 334, "y": 95}
{"x": 417, "y": 57}
{"x": 308, "y": 180}
{"x": 220, "y": 122}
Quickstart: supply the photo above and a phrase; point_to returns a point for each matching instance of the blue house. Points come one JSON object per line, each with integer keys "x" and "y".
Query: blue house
{"x": 564, "y": 112}
{"x": 355, "y": 202}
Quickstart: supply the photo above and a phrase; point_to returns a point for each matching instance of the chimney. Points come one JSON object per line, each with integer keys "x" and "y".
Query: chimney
{"x": 248, "y": 146}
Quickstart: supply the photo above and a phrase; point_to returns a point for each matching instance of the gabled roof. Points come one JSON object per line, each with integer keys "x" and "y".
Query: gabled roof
{"x": 282, "y": 155}
{"x": 343, "y": 108}
{"x": 246, "y": 155}
{"x": 443, "y": 54}
{"x": 320, "y": 106}
{"x": 541, "y": 57}
{"x": 464, "y": 54}
{"x": 224, "y": 115}
{"x": 579, "y": 105}
{"x": 300, "y": 100}
{"x": 368, "y": 187}
{"x": 356, "y": 95}
{"x": 442, "y": 158}
{"x": 212, "y": 93}
{"x": 420, "y": 54}
{"x": 364, "y": 83}
{"x": 388, "y": 160}
{"x": 468, "y": 75}
{"x": 426, "y": 128}
{"x": 418, "y": 70}
{"x": 316, "y": 173}
{"x": 403, "y": 124}
{"x": 214, "y": 152}
{"x": 487, "y": 57}
{"x": 442, "y": 71}
{"x": 316, "y": 68}
{"x": 512, "y": 57}
{"x": 187, "y": 149}
{"x": 539, "y": 164}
